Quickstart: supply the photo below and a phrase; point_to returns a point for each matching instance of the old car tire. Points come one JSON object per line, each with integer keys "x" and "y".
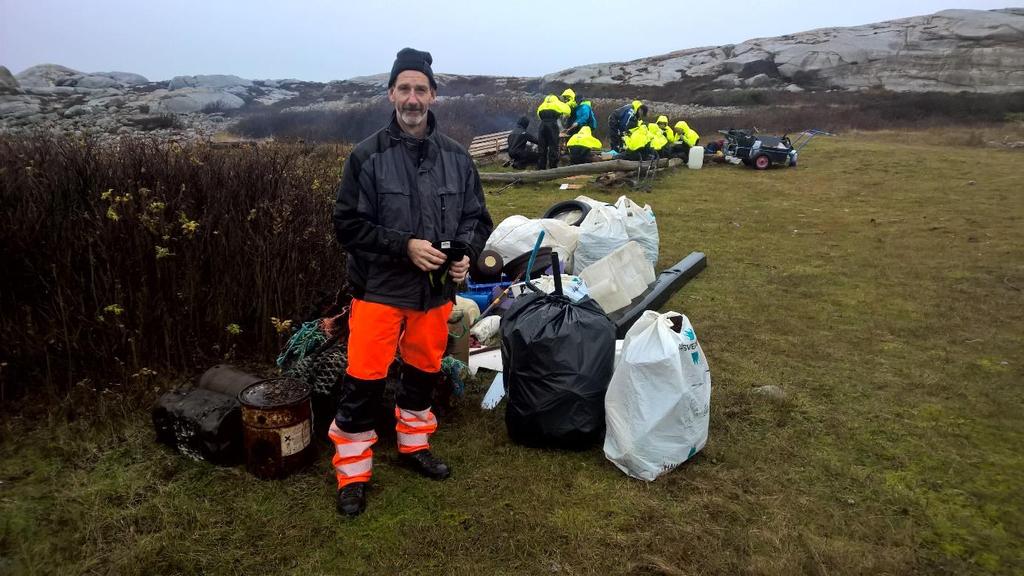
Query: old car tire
{"x": 762, "y": 162}
{"x": 564, "y": 211}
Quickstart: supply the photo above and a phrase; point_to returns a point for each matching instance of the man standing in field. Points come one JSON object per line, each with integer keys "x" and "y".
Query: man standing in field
{"x": 409, "y": 197}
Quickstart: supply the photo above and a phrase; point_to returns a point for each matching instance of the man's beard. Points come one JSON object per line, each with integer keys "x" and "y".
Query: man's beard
{"x": 413, "y": 115}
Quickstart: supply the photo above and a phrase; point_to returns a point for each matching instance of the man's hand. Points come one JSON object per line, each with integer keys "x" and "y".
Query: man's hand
{"x": 425, "y": 256}
{"x": 458, "y": 270}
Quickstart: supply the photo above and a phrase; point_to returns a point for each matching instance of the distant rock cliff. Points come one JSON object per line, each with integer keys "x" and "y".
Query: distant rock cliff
{"x": 950, "y": 51}
{"x": 973, "y": 50}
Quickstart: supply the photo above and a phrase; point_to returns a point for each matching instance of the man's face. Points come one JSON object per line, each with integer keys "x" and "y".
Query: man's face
{"x": 412, "y": 97}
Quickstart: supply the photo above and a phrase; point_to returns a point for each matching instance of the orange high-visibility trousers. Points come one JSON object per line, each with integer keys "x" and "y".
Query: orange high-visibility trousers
{"x": 375, "y": 331}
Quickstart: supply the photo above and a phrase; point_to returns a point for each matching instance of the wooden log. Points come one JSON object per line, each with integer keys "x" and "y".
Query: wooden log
{"x": 575, "y": 170}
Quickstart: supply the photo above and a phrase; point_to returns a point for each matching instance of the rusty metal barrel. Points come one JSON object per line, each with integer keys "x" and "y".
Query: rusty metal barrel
{"x": 277, "y": 425}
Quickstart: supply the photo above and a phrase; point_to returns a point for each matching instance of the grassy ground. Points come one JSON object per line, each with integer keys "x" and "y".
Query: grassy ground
{"x": 879, "y": 285}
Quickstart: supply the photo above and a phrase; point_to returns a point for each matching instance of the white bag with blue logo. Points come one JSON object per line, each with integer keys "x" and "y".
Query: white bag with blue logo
{"x": 641, "y": 226}
{"x": 658, "y": 404}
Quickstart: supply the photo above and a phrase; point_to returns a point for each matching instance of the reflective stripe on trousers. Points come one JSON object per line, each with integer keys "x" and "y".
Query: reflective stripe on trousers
{"x": 353, "y": 458}
{"x": 414, "y": 428}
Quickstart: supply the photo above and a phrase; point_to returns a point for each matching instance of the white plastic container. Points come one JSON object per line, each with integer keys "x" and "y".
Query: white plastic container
{"x": 696, "y": 159}
{"x": 618, "y": 277}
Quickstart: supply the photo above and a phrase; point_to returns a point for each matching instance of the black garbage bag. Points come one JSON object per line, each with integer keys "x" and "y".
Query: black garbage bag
{"x": 558, "y": 358}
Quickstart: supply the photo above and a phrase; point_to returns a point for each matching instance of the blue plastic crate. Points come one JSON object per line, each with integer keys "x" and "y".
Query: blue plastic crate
{"x": 483, "y": 294}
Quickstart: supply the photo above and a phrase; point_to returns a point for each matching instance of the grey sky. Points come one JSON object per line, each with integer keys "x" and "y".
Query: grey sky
{"x": 322, "y": 40}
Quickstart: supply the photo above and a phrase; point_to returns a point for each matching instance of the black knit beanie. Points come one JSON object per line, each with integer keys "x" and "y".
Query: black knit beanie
{"x": 412, "y": 59}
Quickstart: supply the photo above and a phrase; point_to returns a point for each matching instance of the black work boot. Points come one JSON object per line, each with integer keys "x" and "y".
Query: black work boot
{"x": 352, "y": 499}
{"x": 426, "y": 464}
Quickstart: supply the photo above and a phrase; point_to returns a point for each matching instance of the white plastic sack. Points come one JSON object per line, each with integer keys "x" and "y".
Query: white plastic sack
{"x": 486, "y": 331}
{"x": 658, "y": 404}
{"x": 601, "y": 232}
{"x": 573, "y": 287}
{"x": 517, "y": 235}
{"x": 590, "y": 201}
{"x": 618, "y": 277}
{"x": 468, "y": 308}
{"x": 640, "y": 226}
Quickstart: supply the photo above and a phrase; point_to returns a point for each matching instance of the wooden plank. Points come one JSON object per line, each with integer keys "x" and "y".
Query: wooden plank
{"x": 494, "y": 134}
{"x": 491, "y": 137}
{"x": 490, "y": 144}
{"x": 477, "y": 142}
{"x": 487, "y": 144}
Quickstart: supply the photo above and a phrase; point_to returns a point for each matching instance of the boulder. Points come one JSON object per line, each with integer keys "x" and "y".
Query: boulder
{"x": 15, "y": 106}
{"x": 78, "y": 110}
{"x": 95, "y": 81}
{"x": 107, "y": 102}
{"x": 45, "y": 75}
{"x": 729, "y": 81}
{"x": 50, "y": 90}
{"x": 759, "y": 81}
{"x": 771, "y": 392}
{"x": 209, "y": 82}
{"x": 8, "y": 83}
{"x": 188, "y": 100}
{"x": 124, "y": 78}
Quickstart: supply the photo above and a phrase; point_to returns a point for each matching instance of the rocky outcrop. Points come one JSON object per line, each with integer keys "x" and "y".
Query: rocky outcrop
{"x": 52, "y": 75}
{"x": 187, "y": 100}
{"x": 8, "y": 83}
{"x": 223, "y": 82}
{"x": 125, "y": 78}
{"x": 950, "y": 51}
{"x": 52, "y": 97}
{"x": 45, "y": 75}
{"x": 17, "y": 107}
{"x": 981, "y": 51}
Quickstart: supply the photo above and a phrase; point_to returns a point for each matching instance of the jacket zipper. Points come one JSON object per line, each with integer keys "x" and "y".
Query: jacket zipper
{"x": 444, "y": 216}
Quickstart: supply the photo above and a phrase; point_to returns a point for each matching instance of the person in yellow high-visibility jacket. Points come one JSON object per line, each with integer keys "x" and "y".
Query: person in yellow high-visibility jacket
{"x": 569, "y": 99}
{"x": 582, "y": 146}
{"x": 658, "y": 139}
{"x": 549, "y": 111}
{"x": 687, "y": 138}
{"x": 636, "y": 143}
{"x": 666, "y": 129}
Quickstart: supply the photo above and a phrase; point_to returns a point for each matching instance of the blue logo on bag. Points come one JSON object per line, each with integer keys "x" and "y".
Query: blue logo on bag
{"x": 689, "y": 334}
{"x": 695, "y": 356}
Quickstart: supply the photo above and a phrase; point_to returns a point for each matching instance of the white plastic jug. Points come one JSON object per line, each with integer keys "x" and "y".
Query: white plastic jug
{"x": 618, "y": 277}
{"x": 696, "y": 159}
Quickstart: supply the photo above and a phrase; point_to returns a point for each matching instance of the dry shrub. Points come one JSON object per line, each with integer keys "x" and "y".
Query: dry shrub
{"x": 143, "y": 256}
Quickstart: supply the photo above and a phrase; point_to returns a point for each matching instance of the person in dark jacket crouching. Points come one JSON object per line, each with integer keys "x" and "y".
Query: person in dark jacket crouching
{"x": 522, "y": 146}
{"x": 410, "y": 214}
